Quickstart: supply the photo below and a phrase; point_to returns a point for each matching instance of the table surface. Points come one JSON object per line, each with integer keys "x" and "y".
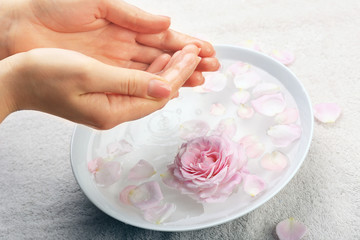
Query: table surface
{"x": 40, "y": 198}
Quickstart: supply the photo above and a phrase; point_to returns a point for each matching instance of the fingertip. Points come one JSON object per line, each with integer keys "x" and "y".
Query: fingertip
{"x": 207, "y": 50}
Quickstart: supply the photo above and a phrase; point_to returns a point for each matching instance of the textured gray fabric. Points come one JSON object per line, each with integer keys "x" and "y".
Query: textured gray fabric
{"x": 40, "y": 198}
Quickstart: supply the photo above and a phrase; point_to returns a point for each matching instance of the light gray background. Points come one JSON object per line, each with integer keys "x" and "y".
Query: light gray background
{"x": 40, "y": 198}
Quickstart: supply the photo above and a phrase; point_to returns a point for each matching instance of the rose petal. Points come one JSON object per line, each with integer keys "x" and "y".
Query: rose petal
{"x": 240, "y": 97}
{"x": 265, "y": 88}
{"x": 142, "y": 170}
{"x": 237, "y": 68}
{"x": 275, "y": 161}
{"x": 215, "y": 82}
{"x": 289, "y": 115}
{"x": 246, "y": 80}
{"x": 119, "y": 148}
{"x": 108, "y": 173}
{"x": 159, "y": 214}
{"x": 217, "y": 109}
{"x": 327, "y": 112}
{"x": 124, "y": 194}
{"x": 226, "y": 127}
{"x": 146, "y": 195}
{"x": 289, "y": 229}
{"x": 253, "y": 185}
{"x": 193, "y": 128}
{"x": 269, "y": 105}
{"x": 94, "y": 165}
{"x": 284, "y": 135}
{"x": 252, "y": 45}
{"x": 285, "y": 57}
{"x": 245, "y": 111}
{"x": 253, "y": 147}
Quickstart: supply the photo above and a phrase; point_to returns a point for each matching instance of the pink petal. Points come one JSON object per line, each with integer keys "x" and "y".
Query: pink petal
{"x": 108, "y": 173}
{"x": 215, "y": 82}
{"x": 253, "y": 147}
{"x": 160, "y": 213}
{"x": 265, "y": 89}
{"x": 252, "y": 45}
{"x": 246, "y": 80}
{"x": 146, "y": 195}
{"x": 245, "y": 111}
{"x": 142, "y": 170}
{"x": 275, "y": 161}
{"x": 285, "y": 57}
{"x": 200, "y": 89}
{"x": 238, "y": 68}
{"x": 269, "y": 105}
{"x": 193, "y": 128}
{"x": 240, "y": 97}
{"x": 284, "y": 135}
{"x": 217, "y": 109}
{"x": 289, "y": 115}
{"x": 289, "y": 229}
{"x": 327, "y": 112}
{"x": 94, "y": 165}
{"x": 253, "y": 185}
{"x": 124, "y": 194}
{"x": 119, "y": 148}
{"x": 226, "y": 127}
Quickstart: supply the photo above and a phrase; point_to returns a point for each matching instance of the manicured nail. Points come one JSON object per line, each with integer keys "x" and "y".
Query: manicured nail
{"x": 158, "y": 89}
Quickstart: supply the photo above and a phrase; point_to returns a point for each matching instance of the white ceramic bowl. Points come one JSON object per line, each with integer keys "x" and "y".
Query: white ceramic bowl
{"x": 81, "y": 141}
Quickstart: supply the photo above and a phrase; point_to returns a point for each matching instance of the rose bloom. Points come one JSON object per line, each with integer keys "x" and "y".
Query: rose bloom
{"x": 207, "y": 168}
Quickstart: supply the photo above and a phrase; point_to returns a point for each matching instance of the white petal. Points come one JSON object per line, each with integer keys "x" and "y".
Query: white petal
{"x": 146, "y": 195}
{"x": 226, "y": 127}
{"x": 142, "y": 170}
{"x": 160, "y": 213}
{"x": 245, "y": 111}
{"x": 285, "y": 57}
{"x": 253, "y": 147}
{"x": 327, "y": 112}
{"x": 269, "y": 105}
{"x": 193, "y": 128}
{"x": 215, "y": 82}
{"x": 94, "y": 165}
{"x": 108, "y": 173}
{"x": 289, "y": 229}
{"x": 265, "y": 89}
{"x": 289, "y": 115}
{"x": 284, "y": 135}
{"x": 119, "y": 148}
{"x": 240, "y": 97}
{"x": 253, "y": 185}
{"x": 237, "y": 68}
{"x": 124, "y": 194}
{"x": 217, "y": 109}
{"x": 275, "y": 161}
{"x": 246, "y": 80}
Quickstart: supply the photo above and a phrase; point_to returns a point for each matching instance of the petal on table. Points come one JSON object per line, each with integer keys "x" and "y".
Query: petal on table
{"x": 289, "y": 229}
{"x": 284, "y": 135}
{"x": 245, "y": 111}
{"x": 269, "y": 105}
{"x": 159, "y": 214}
{"x": 327, "y": 112}
{"x": 217, "y": 109}
{"x": 215, "y": 82}
{"x": 275, "y": 161}
{"x": 142, "y": 170}
{"x": 146, "y": 195}
{"x": 253, "y": 185}
{"x": 246, "y": 80}
{"x": 265, "y": 88}
{"x": 240, "y": 97}
{"x": 226, "y": 127}
{"x": 193, "y": 128}
{"x": 108, "y": 173}
{"x": 119, "y": 148}
{"x": 289, "y": 115}
{"x": 285, "y": 57}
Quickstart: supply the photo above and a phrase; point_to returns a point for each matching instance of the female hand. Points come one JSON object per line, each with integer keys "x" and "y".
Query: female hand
{"x": 111, "y": 31}
{"x": 79, "y": 88}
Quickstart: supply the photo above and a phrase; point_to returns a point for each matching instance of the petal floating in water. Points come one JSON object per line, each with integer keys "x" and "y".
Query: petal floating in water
{"x": 119, "y": 148}
{"x": 108, "y": 173}
{"x": 265, "y": 88}
{"x": 146, "y": 195}
{"x": 246, "y": 80}
{"x": 215, "y": 82}
{"x": 160, "y": 213}
{"x": 284, "y": 135}
{"x": 253, "y": 185}
{"x": 289, "y": 115}
{"x": 193, "y": 128}
{"x": 269, "y": 105}
{"x": 217, "y": 109}
{"x": 275, "y": 161}
{"x": 240, "y": 97}
{"x": 142, "y": 170}
{"x": 245, "y": 111}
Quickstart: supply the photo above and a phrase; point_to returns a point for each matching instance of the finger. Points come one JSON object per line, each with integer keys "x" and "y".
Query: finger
{"x": 180, "y": 54}
{"x": 195, "y": 79}
{"x": 159, "y": 63}
{"x": 133, "y": 18}
{"x": 144, "y": 54}
{"x": 173, "y": 41}
{"x": 208, "y": 65}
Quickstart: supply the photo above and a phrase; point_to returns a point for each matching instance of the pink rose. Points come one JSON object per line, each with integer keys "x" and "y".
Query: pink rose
{"x": 207, "y": 168}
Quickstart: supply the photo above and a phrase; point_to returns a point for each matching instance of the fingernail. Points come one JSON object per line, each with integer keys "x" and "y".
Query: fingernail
{"x": 158, "y": 89}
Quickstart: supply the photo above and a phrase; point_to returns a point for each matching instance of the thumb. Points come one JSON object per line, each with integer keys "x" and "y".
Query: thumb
{"x": 133, "y": 18}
